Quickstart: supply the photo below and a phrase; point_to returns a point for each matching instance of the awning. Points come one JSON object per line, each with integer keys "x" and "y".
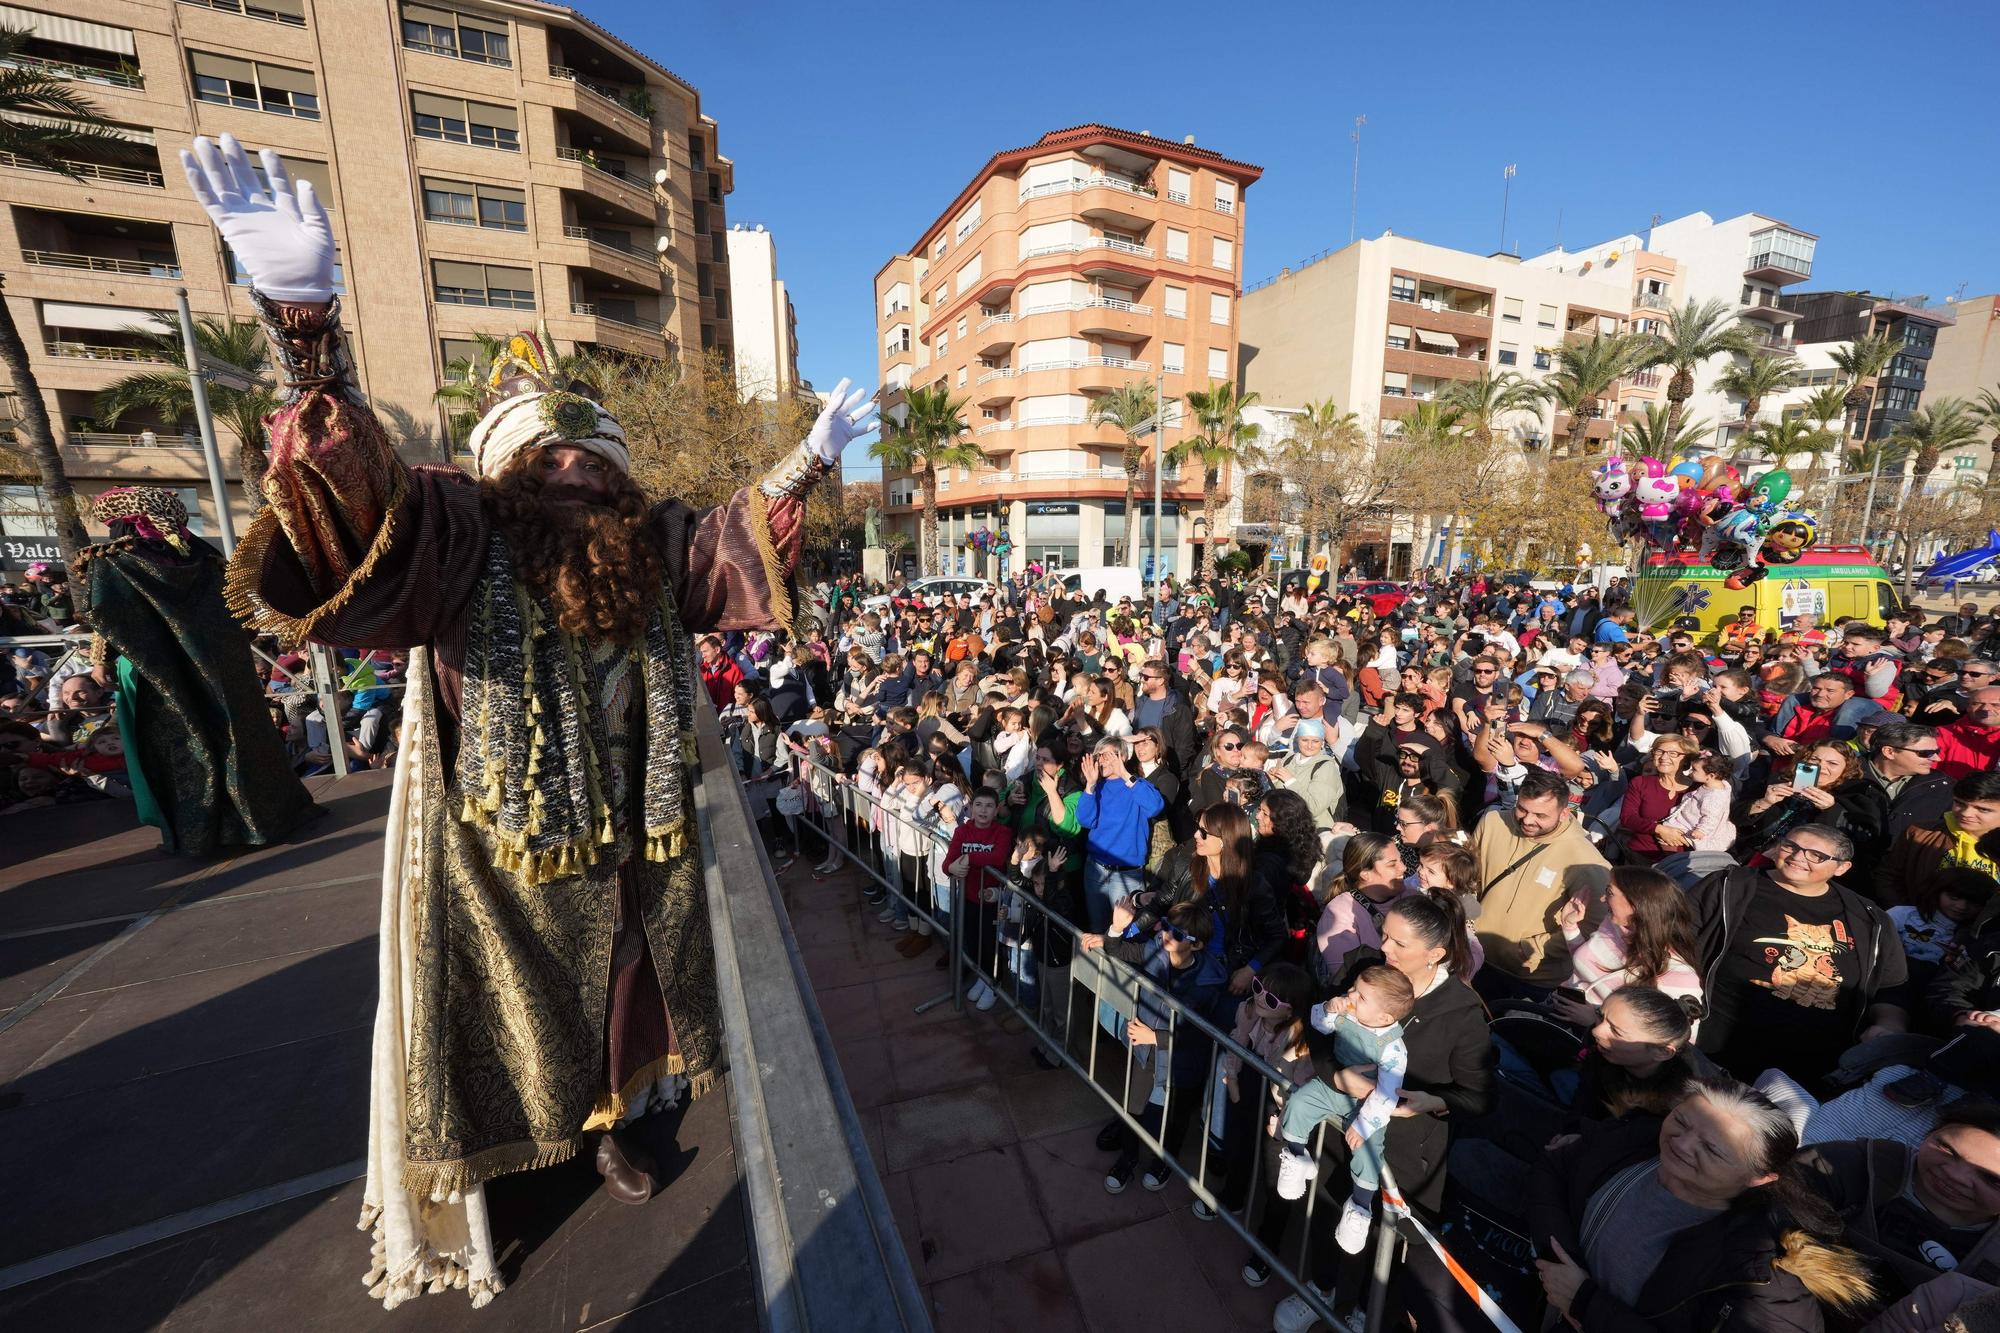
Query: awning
{"x": 58, "y": 123}
{"x": 101, "y": 318}
{"x": 70, "y": 32}
{"x": 1444, "y": 340}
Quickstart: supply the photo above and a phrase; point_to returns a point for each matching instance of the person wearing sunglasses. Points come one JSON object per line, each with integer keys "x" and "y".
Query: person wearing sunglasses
{"x": 1900, "y": 787}
{"x": 1796, "y": 967}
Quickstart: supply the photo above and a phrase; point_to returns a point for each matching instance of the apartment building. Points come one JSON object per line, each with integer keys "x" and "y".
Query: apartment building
{"x": 1383, "y": 325}
{"x": 1746, "y": 262}
{"x": 487, "y": 164}
{"x": 1966, "y": 362}
{"x": 761, "y": 316}
{"x": 1092, "y": 258}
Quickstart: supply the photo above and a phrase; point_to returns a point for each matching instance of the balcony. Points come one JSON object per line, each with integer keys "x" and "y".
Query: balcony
{"x": 1094, "y": 243}
{"x": 610, "y": 176}
{"x": 610, "y": 313}
{"x": 1460, "y": 365}
{"x": 1643, "y": 379}
{"x": 123, "y": 75}
{"x": 610, "y": 240}
{"x": 1780, "y": 256}
{"x": 998, "y": 373}
{"x": 77, "y": 351}
{"x": 111, "y": 439}
{"x": 994, "y": 428}
{"x": 102, "y": 172}
{"x": 135, "y": 268}
{"x": 1098, "y": 182}
{"x": 1766, "y": 310}
{"x": 1440, "y": 317}
{"x": 1644, "y": 300}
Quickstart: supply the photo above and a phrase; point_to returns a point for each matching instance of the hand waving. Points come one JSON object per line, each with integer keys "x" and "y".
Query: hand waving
{"x": 280, "y": 235}
{"x": 844, "y": 420}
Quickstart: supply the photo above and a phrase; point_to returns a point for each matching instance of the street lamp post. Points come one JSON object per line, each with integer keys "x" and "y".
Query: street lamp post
{"x": 198, "y": 387}
{"x": 1159, "y": 443}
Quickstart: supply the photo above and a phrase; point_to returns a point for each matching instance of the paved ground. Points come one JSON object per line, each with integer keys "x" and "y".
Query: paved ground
{"x": 990, "y": 1162}
{"x": 183, "y": 1078}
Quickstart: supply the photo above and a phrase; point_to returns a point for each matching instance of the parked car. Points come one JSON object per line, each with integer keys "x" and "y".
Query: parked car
{"x": 1383, "y": 597}
{"x": 928, "y": 592}
{"x": 1114, "y": 581}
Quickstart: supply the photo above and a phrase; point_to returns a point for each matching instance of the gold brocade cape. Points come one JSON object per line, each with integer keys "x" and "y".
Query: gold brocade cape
{"x": 513, "y": 885}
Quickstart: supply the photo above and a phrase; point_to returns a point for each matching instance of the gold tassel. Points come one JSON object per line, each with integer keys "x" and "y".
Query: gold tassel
{"x": 767, "y": 553}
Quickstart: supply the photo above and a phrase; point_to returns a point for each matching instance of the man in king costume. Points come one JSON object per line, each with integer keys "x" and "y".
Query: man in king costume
{"x": 547, "y": 970}
{"x": 204, "y": 761}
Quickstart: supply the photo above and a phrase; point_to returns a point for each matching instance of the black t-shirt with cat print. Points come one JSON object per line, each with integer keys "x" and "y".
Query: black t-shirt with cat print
{"x": 1787, "y": 993}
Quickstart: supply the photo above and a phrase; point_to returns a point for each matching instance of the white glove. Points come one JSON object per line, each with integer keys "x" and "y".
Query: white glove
{"x": 280, "y": 236}
{"x": 844, "y": 419}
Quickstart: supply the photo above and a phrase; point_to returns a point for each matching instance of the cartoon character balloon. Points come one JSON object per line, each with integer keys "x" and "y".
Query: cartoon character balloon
{"x": 1767, "y": 494}
{"x": 1655, "y": 492}
{"x": 1611, "y": 485}
{"x": 1786, "y": 539}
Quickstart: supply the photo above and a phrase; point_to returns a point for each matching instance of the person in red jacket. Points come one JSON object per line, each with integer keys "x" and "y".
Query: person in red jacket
{"x": 980, "y": 846}
{"x": 719, "y": 673}
{"x": 1972, "y": 743}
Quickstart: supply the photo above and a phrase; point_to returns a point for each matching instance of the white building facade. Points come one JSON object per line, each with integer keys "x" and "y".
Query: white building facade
{"x": 761, "y": 316}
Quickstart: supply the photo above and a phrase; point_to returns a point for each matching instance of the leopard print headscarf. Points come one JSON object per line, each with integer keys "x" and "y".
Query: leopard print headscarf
{"x": 155, "y": 514}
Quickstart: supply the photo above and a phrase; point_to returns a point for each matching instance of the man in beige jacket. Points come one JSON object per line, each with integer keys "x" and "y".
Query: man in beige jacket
{"x": 1533, "y": 858}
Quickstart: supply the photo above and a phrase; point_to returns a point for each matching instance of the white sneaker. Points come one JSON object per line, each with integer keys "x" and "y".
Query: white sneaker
{"x": 1293, "y": 1315}
{"x": 900, "y": 927}
{"x": 886, "y": 915}
{"x": 1352, "y": 1233}
{"x": 1296, "y": 1170}
{"x": 987, "y": 999}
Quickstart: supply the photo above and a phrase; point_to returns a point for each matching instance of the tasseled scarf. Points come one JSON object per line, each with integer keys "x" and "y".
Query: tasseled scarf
{"x": 534, "y": 750}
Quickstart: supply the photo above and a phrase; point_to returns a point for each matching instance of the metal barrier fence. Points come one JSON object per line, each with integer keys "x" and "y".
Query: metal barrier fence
{"x": 863, "y": 824}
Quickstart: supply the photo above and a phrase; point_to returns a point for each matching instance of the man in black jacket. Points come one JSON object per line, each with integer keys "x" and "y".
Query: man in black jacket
{"x": 1900, "y": 786}
{"x": 1160, "y": 706}
{"x": 1795, "y": 968}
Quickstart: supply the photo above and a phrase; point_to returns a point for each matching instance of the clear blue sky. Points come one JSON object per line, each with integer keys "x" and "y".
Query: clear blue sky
{"x": 1874, "y": 126}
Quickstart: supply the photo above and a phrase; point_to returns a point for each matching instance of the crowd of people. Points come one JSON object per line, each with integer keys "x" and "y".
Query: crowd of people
{"x": 1674, "y": 956}
{"x": 59, "y": 732}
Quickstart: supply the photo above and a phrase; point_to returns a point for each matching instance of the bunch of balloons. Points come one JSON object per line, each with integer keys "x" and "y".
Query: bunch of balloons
{"x": 1702, "y": 505}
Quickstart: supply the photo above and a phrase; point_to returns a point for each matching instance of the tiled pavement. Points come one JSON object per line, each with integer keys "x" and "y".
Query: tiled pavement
{"x": 990, "y": 1162}
{"x": 219, "y": 1049}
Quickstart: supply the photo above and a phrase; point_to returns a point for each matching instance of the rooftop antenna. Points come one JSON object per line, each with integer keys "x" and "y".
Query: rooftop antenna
{"x": 1506, "y": 194}
{"x": 1354, "y": 194}
{"x": 1559, "y": 227}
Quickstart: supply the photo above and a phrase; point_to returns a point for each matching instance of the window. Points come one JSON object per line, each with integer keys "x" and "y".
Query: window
{"x": 1509, "y": 354}
{"x": 1898, "y": 399}
{"x": 967, "y": 220}
{"x": 1218, "y": 308}
{"x": 1919, "y": 335}
{"x": 961, "y": 326}
{"x": 461, "y": 359}
{"x": 937, "y": 251}
{"x": 943, "y": 341}
{"x": 1179, "y": 184}
{"x": 1225, "y": 196}
{"x": 226, "y": 81}
{"x": 1177, "y": 244}
{"x": 1402, "y": 288}
{"x": 431, "y": 30}
{"x": 1541, "y": 359}
{"x": 1510, "y": 309}
{"x": 1395, "y": 384}
{"x": 1907, "y": 368}
{"x": 1218, "y": 363}
{"x": 1545, "y": 316}
{"x": 451, "y": 202}
{"x": 968, "y": 273}
{"x": 1399, "y": 336}
{"x": 494, "y": 285}
{"x": 898, "y": 340}
{"x": 503, "y": 209}
{"x": 896, "y": 298}
{"x": 483, "y": 41}
{"x": 1224, "y": 254}
{"x": 1176, "y": 303}
{"x": 477, "y": 123}
{"x": 721, "y": 304}
{"x": 1173, "y": 357}
{"x": 961, "y": 377}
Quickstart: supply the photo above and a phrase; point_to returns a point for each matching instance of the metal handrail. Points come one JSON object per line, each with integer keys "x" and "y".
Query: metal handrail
{"x": 89, "y": 170}
{"x": 597, "y": 237}
{"x": 1076, "y": 183}
{"x": 578, "y": 155}
{"x": 991, "y": 320}
{"x": 102, "y": 352}
{"x": 589, "y": 309}
{"x": 603, "y": 90}
{"x": 137, "y": 268}
{"x": 239, "y": 7}
{"x": 133, "y": 440}
{"x": 67, "y": 69}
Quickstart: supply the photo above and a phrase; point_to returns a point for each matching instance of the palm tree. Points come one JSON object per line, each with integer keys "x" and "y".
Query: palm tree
{"x": 1586, "y": 372}
{"x": 1988, "y": 411}
{"x": 1658, "y": 435}
{"x": 1434, "y": 421}
{"x": 1755, "y": 378}
{"x": 1218, "y": 413}
{"x": 1485, "y": 398}
{"x": 223, "y": 340}
{"x": 931, "y": 436}
{"x": 44, "y": 122}
{"x": 1949, "y": 424}
{"x": 1694, "y": 334}
{"x": 1860, "y": 363}
{"x": 1130, "y": 407}
{"x": 1318, "y": 428}
{"x": 464, "y": 393}
{"x": 1785, "y": 440}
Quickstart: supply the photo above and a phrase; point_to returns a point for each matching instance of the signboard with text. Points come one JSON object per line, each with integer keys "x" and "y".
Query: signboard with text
{"x": 17, "y": 553}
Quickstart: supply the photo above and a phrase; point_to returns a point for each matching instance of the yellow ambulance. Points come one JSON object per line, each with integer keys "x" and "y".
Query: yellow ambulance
{"x": 1828, "y": 583}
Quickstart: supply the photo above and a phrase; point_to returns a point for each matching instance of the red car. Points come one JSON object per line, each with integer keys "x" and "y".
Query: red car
{"x": 1382, "y": 597}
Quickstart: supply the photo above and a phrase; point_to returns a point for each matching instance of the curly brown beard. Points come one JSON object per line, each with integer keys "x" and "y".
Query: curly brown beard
{"x": 595, "y": 561}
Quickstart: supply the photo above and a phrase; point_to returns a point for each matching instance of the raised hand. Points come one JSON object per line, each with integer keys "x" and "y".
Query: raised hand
{"x": 280, "y": 235}
{"x": 844, "y": 419}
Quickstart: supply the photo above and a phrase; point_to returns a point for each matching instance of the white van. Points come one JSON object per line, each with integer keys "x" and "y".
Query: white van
{"x": 1114, "y": 581}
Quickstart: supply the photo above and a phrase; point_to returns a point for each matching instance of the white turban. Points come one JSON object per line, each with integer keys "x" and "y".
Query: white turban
{"x": 528, "y": 420}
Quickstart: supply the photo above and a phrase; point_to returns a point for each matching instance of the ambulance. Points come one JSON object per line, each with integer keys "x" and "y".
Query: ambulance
{"x": 1828, "y": 583}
